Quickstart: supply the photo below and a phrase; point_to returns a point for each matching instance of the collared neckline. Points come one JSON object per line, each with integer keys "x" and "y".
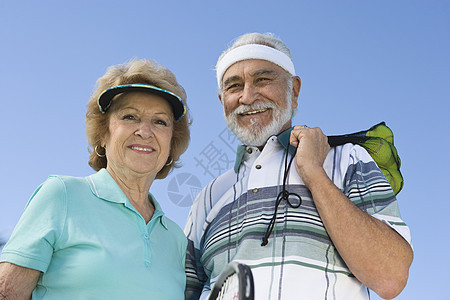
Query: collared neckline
{"x": 283, "y": 139}
{"x": 104, "y": 186}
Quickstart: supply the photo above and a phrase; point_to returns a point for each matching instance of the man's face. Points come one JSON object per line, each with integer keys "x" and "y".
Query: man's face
{"x": 258, "y": 100}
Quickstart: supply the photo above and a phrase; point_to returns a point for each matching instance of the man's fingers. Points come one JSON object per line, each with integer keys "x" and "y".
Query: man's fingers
{"x": 296, "y": 134}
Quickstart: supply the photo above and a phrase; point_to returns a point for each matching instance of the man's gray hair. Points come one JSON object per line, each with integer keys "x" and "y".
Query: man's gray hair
{"x": 267, "y": 39}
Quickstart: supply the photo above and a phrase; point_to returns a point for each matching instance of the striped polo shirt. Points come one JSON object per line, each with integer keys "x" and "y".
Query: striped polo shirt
{"x": 231, "y": 214}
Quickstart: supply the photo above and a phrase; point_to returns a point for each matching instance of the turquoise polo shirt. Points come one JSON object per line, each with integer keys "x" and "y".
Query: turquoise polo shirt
{"x": 89, "y": 242}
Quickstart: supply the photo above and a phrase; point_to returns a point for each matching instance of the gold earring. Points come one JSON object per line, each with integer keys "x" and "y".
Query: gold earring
{"x": 95, "y": 150}
{"x": 169, "y": 163}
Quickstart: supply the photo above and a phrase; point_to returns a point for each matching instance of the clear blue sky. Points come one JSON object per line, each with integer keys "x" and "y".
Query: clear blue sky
{"x": 361, "y": 62}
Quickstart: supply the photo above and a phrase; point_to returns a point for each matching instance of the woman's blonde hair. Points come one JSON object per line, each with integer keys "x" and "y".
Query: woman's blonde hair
{"x": 135, "y": 71}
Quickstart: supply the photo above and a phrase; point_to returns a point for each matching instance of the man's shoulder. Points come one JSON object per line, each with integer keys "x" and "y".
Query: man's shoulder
{"x": 229, "y": 175}
{"x": 222, "y": 182}
{"x": 214, "y": 191}
{"x": 349, "y": 150}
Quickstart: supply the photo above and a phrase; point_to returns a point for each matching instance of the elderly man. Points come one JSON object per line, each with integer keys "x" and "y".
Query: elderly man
{"x": 328, "y": 228}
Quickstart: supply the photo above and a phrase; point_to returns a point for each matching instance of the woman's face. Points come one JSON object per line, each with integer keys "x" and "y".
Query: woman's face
{"x": 140, "y": 133}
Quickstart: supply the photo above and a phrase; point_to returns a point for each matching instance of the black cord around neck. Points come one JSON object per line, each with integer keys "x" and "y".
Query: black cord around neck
{"x": 283, "y": 195}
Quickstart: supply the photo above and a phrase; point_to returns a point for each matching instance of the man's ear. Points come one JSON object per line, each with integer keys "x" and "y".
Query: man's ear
{"x": 296, "y": 84}
{"x": 220, "y": 97}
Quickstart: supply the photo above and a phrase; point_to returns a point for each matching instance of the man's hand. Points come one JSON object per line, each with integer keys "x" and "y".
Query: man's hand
{"x": 312, "y": 150}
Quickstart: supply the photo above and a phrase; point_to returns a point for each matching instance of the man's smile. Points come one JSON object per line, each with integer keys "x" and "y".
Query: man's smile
{"x": 252, "y": 112}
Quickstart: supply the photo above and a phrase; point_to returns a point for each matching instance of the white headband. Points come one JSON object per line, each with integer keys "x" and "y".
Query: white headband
{"x": 253, "y": 51}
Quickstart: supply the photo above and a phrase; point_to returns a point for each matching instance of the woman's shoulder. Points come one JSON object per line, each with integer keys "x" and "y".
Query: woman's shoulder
{"x": 175, "y": 229}
{"x": 66, "y": 179}
{"x": 59, "y": 185}
{"x": 172, "y": 225}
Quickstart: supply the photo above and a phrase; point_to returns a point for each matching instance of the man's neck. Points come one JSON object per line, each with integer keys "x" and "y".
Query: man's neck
{"x": 287, "y": 126}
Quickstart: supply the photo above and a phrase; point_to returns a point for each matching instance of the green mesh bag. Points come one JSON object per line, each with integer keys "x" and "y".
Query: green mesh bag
{"x": 379, "y": 142}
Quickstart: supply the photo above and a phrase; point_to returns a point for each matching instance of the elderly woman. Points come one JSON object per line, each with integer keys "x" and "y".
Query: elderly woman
{"x": 105, "y": 236}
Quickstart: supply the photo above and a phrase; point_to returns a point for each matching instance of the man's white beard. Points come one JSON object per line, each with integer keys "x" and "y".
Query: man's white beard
{"x": 257, "y": 134}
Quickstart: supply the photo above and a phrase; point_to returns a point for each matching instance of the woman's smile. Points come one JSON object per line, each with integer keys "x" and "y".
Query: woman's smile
{"x": 142, "y": 149}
